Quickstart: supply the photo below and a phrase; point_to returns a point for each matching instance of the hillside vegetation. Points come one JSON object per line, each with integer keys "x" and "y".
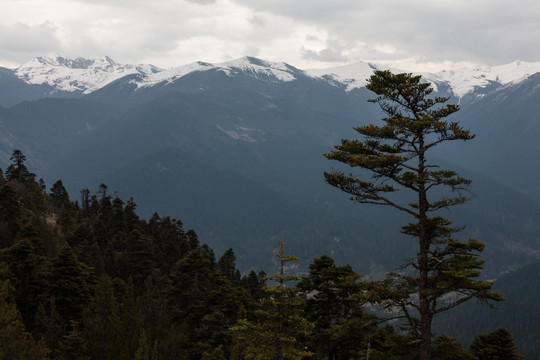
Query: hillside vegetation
{"x": 90, "y": 279}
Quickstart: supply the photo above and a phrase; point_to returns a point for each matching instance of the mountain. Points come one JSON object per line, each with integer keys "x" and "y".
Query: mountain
{"x": 519, "y": 312}
{"x": 59, "y": 75}
{"x": 79, "y": 75}
{"x": 235, "y": 151}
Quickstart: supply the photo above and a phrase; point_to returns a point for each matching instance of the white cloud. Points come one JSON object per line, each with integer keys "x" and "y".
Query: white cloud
{"x": 304, "y": 33}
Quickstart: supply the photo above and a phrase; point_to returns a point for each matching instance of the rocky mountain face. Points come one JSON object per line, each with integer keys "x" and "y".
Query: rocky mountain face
{"x": 234, "y": 150}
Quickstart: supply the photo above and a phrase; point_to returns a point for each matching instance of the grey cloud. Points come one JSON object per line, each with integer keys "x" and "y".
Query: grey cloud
{"x": 310, "y": 37}
{"x": 21, "y": 42}
{"x": 306, "y": 9}
{"x": 326, "y": 55}
{"x": 258, "y": 21}
{"x": 252, "y": 51}
{"x": 202, "y": 2}
{"x": 334, "y": 52}
{"x": 490, "y": 31}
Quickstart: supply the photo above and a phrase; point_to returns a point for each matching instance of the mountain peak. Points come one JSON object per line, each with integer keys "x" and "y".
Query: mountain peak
{"x": 77, "y": 75}
{"x": 278, "y": 70}
{"x": 463, "y": 81}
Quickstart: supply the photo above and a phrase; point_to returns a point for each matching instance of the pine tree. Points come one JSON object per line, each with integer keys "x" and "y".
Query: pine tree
{"x": 72, "y": 347}
{"x": 101, "y": 321}
{"x": 227, "y": 266}
{"x": 25, "y": 266}
{"x": 447, "y": 348}
{"x": 10, "y": 210}
{"x": 66, "y": 280}
{"x": 15, "y": 342}
{"x": 49, "y": 324}
{"x": 496, "y": 345}
{"x": 130, "y": 323}
{"x": 280, "y": 328}
{"x": 139, "y": 256}
{"x": 59, "y": 194}
{"x": 396, "y": 155}
{"x": 18, "y": 170}
{"x": 334, "y": 303}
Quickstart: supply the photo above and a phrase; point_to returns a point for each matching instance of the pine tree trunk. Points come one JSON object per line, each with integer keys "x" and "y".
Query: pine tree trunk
{"x": 423, "y": 265}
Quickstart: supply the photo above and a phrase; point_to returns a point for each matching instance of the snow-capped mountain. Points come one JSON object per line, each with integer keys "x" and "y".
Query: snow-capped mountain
{"x": 81, "y": 74}
{"x": 461, "y": 81}
{"x": 86, "y": 76}
{"x": 278, "y": 71}
{"x": 235, "y": 149}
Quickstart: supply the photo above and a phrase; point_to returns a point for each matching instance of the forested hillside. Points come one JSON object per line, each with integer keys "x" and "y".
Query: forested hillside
{"x": 89, "y": 279}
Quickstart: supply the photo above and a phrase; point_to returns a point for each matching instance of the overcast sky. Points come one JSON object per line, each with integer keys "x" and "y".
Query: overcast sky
{"x": 412, "y": 34}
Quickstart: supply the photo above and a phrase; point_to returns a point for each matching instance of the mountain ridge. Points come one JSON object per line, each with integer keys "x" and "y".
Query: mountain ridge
{"x": 84, "y": 76}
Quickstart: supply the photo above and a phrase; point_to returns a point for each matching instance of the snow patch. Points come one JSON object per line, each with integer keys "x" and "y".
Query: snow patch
{"x": 81, "y": 74}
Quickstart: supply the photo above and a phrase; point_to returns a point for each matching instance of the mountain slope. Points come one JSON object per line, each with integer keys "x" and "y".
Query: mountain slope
{"x": 236, "y": 153}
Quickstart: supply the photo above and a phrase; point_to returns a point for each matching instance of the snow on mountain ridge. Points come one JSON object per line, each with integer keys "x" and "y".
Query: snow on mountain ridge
{"x": 353, "y": 75}
{"x": 278, "y": 70}
{"x": 461, "y": 81}
{"x": 81, "y": 74}
{"x": 86, "y": 75}
{"x": 464, "y": 81}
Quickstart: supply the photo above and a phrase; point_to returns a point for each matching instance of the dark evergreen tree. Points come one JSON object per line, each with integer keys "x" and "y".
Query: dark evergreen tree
{"x": 49, "y": 324}
{"x": 191, "y": 283}
{"x": 169, "y": 239}
{"x": 227, "y": 266}
{"x": 85, "y": 201}
{"x": 67, "y": 282}
{"x": 447, "y": 348}
{"x": 59, "y": 194}
{"x": 72, "y": 347}
{"x": 139, "y": 257}
{"x": 17, "y": 170}
{"x": 26, "y": 265}
{"x": 193, "y": 239}
{"x": 101, "y": 322}
{"x": 396, "y": 155}
{"x": 386, "y": 344}
{"x": 42, "y": 186}
{"x": 9, "y": 215}
{"x": 117, "y": 222}
{"x": 131, "y": 323}
{"x": 334, "y": 303}
{"x": 255, "y": 284}
{"x": 15, "y": 342}
{"x": 496, "y": 345}
{"x": 85, "y": 245}
{"x": 280, "y": 329}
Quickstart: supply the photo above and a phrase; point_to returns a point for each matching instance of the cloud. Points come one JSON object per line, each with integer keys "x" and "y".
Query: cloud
{"x": 18, "y": 41}
{"x": 489, "y": 31}
{"x": 23, "y": 37}
{"x": 202, "y": 2}
{"x": 304, "y": 33}
{"x": 334, "y": 51}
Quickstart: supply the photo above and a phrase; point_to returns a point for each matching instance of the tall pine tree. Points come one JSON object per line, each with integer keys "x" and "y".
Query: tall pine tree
{"x": 396, "y": 155}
